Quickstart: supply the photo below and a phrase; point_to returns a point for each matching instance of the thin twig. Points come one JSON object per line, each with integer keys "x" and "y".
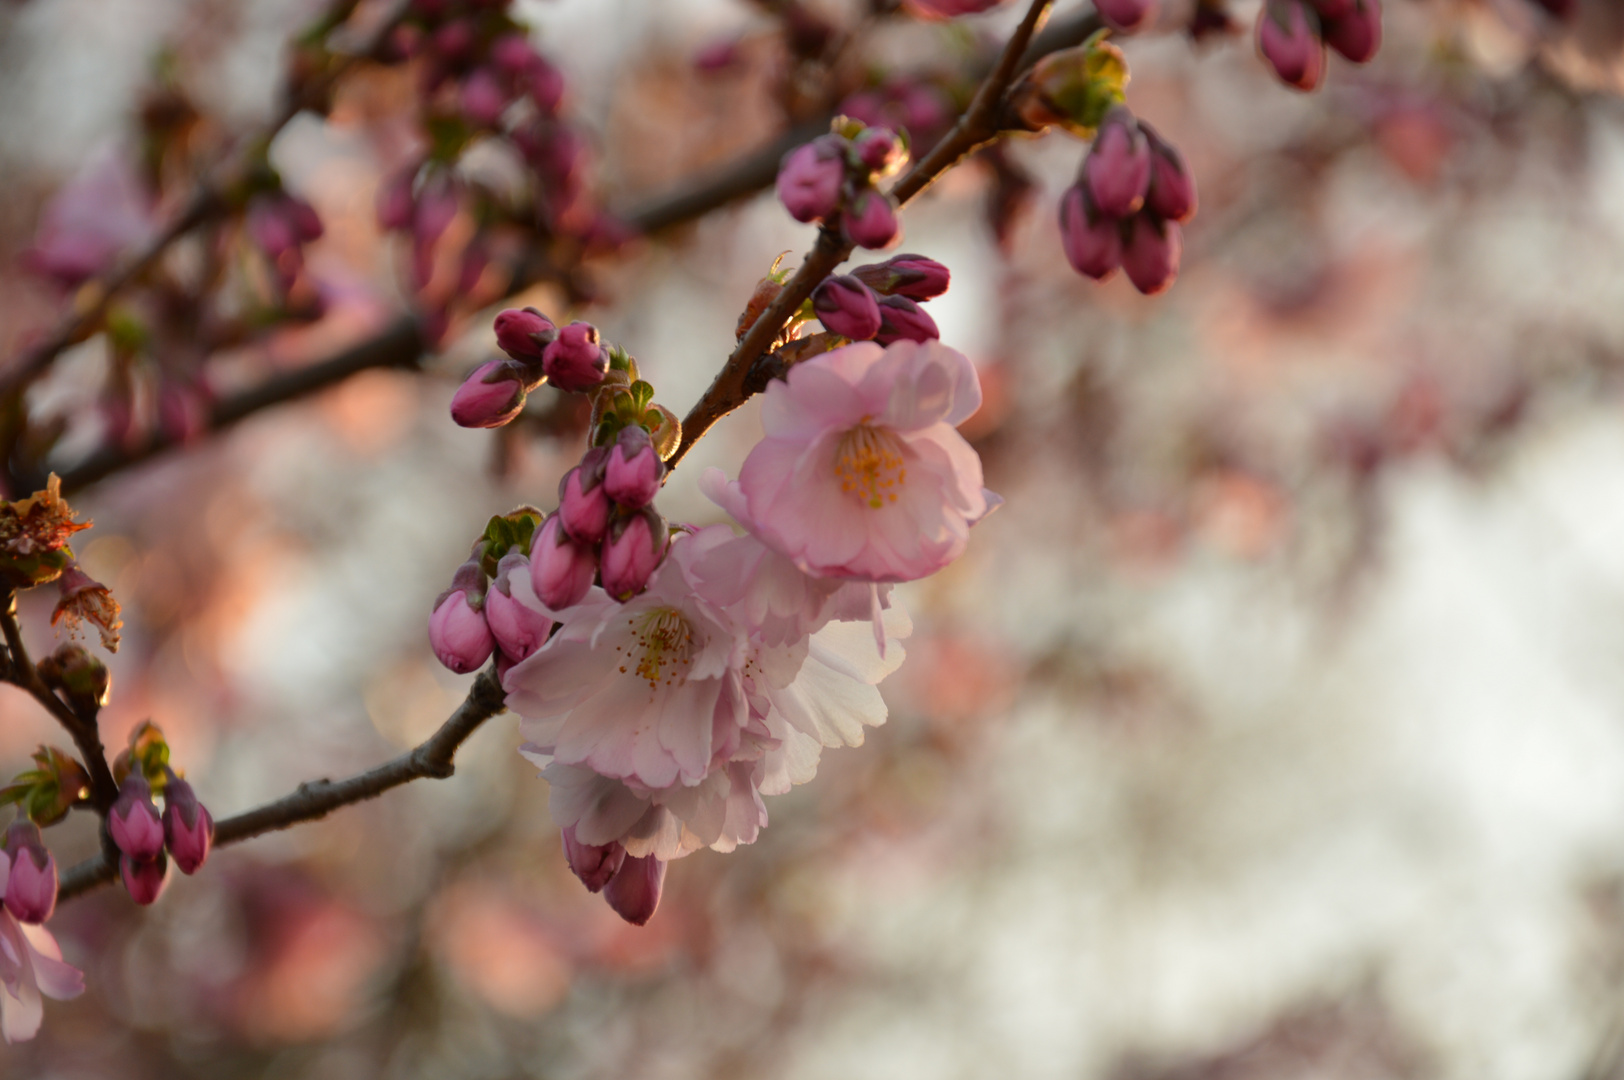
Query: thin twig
{"x": 432, "y": 758}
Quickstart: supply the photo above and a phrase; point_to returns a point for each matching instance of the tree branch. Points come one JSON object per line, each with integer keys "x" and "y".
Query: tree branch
{"x": 434, "y": 757}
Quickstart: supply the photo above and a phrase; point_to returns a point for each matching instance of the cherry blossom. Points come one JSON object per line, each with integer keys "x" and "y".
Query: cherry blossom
{"x": 30, "y": 965}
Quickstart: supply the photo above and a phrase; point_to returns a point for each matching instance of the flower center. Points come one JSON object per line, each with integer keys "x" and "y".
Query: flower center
{"x": 662, "y": 645}
{"x": 868, "y": 462}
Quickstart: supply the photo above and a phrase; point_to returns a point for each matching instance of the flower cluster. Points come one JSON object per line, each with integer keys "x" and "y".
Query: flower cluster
{"x": 1292, "y": 36}
{"x": 834, "y": 176}
{"x": 146, "y": 839}
{"x": 880, "y": 302}
{"x": 1125, "y": 209}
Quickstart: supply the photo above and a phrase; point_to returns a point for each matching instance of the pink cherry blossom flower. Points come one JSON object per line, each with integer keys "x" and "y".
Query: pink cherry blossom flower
{"x": 30, "y": 965}
{"x": 861, "y": 474}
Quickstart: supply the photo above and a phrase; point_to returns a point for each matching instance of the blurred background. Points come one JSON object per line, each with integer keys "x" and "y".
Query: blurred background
{"x": 1273, "y": 728}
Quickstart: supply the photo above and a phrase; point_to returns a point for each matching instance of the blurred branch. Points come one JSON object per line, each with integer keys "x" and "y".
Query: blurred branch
{"x": 434, "y": 757}
{"x": 978, "y": 125}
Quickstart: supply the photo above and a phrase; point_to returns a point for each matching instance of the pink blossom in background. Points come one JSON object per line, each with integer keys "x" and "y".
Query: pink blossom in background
{"x": 861, "y": 474}
{"x": 948, "y": 9}
{"x": 101, "y": 213}
{"x": 30, "y": 965}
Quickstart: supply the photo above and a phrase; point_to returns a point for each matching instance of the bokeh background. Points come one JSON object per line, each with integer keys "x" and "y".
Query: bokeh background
{"x": 1273, "y": 728}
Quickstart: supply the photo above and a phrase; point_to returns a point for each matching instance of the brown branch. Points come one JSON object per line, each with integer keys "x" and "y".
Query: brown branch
{"x": 434, "y": 757}
{"x": 976, "y": 127}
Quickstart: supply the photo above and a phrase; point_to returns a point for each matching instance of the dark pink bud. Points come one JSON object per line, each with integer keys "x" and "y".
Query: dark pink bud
{"x": 519, "y": 630}
{"x": 810, "y": 177}
{"x": 901, "y": 319}
{"x": 632, "y": 552}
{"x": 1172, "y": 187}
{"x": 134, "y": 822}
{"x": 457, "y": 629}
{"x": 144, "y": 878}
{"x": 31, "y": 884}
{"x": 634, "y": 891}
{"x": 575, "y": 359}
{"x": 1288, "y": 38}
{"x": 512, "y": 55}
{"x": 583, "y": 504}
{"x": 594, "y": 864}
{"x": 913, "y": 276}
{"x": 1332, "y": 9}
{"x": 561, "y": 570}
{"x": 454, "y": 41}
{"x": 396, "y": 207}
{"x": 879, "y": 150}
{"x": 845, "y": 306}
{"x": 1151, "y": 255}
{"x": 482, "y": 98}
{"x": 871, "y": 220}
{"x": 524, "y": 333}
{"x": 1093, "y": 242}
{"x": 1117, "y": 169}
{"x": 633, "y": 472}
{"x": 188, "y": 826}
{"x": 1125, "y": 15}
{"x": 491, "y": 396}
{"x": 1358, "y": 33}
{"x": 546, "y": 87}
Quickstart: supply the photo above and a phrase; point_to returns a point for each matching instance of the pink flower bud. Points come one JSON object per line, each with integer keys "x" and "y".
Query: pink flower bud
{"x": 1151, "y": 255}
{"x": 594, "y": 864}
{"x": 188, "y": 826}
{"x": 633, "y": 473}
{"x": 512, "y": 55}
{"x": 490, "y": 397}
{"x": 454, "y": 41}
{"x": 845, "y": 306}
{"x": 134, "y": 822}
{"x": 1172, "y": 187}
{"x": 810, "y": 177}
{"x": 519, "y": 630}
{"x": 913, "y": 276}
{"x": 1093, "y": 242}
{"x": 871, "y": 220}
{"x": 634, "y": 891}
{"x": 632, "y": 552}
{"x": 457, "y": 629}
{"x": 583, "y": 504}
{"x": 879, "y": 150}
{"x": 575, "y": 360}
{"x": 482, "y": 98}
{"x": 31, "y": 885}
{"x": 561, "y": 570}
{"x": 1358, "y": 33}
{"x": 144, "y": 878}
{"x": 1288, "y": 38}
{"x": 396, "y": 206}
{"x": 901, "y": 319}
{"x": 1125, "y": 15}
{"x": 1117, "y": 169}
{"x": 546, "y": 87}
{"x": 524, "y": 333}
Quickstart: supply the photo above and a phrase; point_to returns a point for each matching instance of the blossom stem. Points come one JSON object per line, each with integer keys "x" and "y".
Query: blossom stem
{"x": 432, "y": 758}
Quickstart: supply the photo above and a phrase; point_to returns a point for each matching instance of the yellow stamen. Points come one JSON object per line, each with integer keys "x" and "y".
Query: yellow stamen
{"x": 664, "y": 640}
{"x": 868, "y": 462}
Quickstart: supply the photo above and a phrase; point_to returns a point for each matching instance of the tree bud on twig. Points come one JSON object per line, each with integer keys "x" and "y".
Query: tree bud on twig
{"x": 492, "y": 396}
{"x": 561, "y": 570}
{"x": 634, "y": 891}
{"x": 134, "y": 822}
{"x": 903, "y": 320}
{"x": 594, "y": 864}
{"x": 845, "y": 306}
{"x": 632, "y": 552}
{"x": 30, "y": 893}
{"x": 144, "y": 878}
{"x": 188, "y": 826}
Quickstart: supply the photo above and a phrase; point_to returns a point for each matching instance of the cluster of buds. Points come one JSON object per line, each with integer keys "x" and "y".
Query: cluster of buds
{"x": 478, "y": 50}
{"x": 835, "y": 175}
{"x": 280, "y": 225}
{"x": 1292, "y": 36}
{"x": 922, "y": 110}
{"x": 571, "y": 358}
{"x": 478, "y": 614}
{"x": 1131, "y": 195}
{"x": 880, "y": 302}
{"x": 146, "y": 839}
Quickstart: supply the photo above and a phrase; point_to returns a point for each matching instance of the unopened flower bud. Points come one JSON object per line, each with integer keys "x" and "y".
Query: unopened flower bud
{"x": 188, "y": 826}
{"x": 144, "y": 878}
{"x": 845, "y": 306}
{"x": 518, "y": 628}
{"x": 634, "y": 891}
{"x": 31, "y": 883}
{"x": 632, "y": 552}
{"x": 492, "y": 396}
{"x": 561, "y": 570}
{"x": 1151, "y": 255}
{"x": 1092, "y": 241}
{"x": 576, "y": 360}
{"x": 457, "y": 630}
{"x": 633, "y": 472}
{"x": 901, "y": 319}
{"x": 1125, "y": 15}
{"x": 134, "y": 822}
{"x": 1288, "y": 38}
{"x": 512, "y": 54}
{"x": 810, "y": 177}
{"x": 1357, "y": 33}
{"x": 871, "y": 220}
{"x": 482, "y": 98}
{"x": 546, "y": 87}
{"x": 913, "y": 276}
{"x": 1172, "y": 187}
{"x": 524, "y": 333}
{"x": 594, "y": 864}
{"x": 74, "y": 671}
{"x": 583, "y": 504}
{"x": 880, "y": 151}
{"x": 1117, "y": 169}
